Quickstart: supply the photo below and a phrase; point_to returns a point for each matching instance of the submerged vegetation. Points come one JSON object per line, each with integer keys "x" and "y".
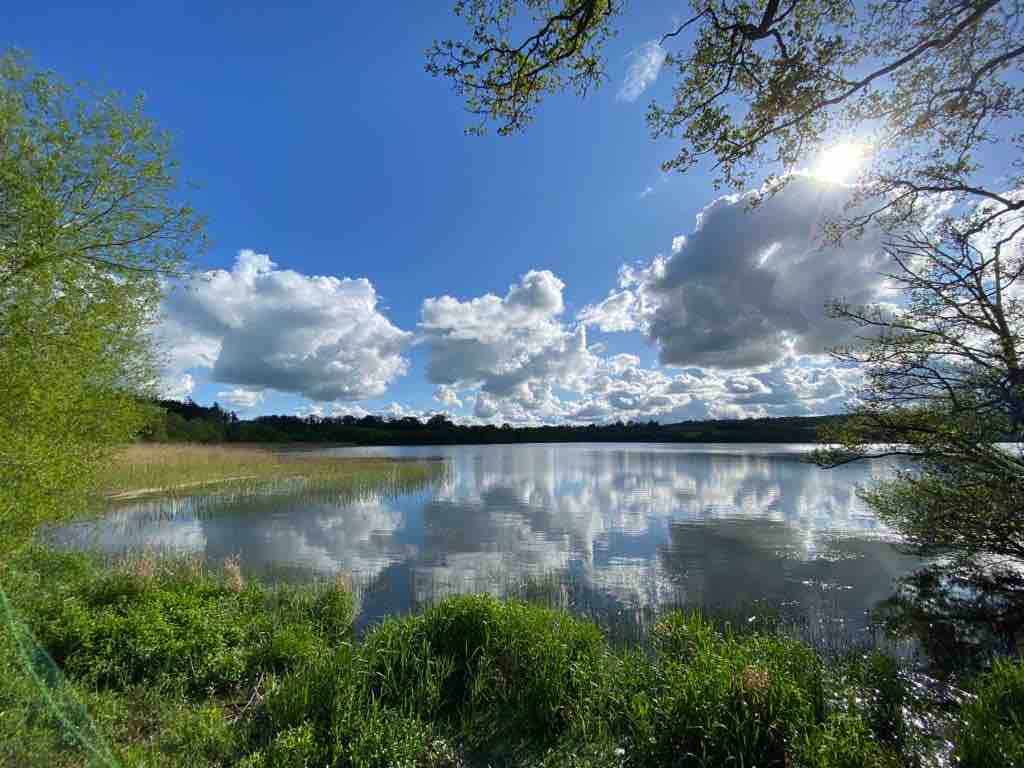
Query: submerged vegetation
{"x": 154, "y": 662}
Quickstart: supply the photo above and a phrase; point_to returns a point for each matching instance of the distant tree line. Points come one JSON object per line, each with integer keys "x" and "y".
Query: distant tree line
{"x": 189, "y": 422}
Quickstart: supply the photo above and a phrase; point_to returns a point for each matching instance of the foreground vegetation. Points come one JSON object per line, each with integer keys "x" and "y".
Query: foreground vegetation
{"x": 174, "y": 662}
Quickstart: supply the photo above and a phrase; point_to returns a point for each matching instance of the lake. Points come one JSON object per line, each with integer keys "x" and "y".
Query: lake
{"x": 625, "y": 527}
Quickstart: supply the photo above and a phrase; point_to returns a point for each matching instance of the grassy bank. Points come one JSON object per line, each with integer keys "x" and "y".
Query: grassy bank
{"x": 147, "y": 469}
{"x": 151, "y": 662}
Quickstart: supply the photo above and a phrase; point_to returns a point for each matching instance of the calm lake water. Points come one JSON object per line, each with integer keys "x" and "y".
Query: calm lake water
{"x": 627, "y": 526}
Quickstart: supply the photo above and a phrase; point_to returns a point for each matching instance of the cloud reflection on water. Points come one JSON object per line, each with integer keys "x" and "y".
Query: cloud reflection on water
{"x": 641, "y": 524}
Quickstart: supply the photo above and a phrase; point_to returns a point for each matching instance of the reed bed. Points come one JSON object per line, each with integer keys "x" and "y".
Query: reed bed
{"x": 154, "y": 469}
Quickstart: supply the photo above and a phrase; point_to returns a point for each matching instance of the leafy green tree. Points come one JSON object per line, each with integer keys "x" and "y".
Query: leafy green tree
{"x": 89, "y": 227}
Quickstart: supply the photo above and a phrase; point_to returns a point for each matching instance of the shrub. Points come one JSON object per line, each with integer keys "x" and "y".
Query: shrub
{"x": 844, "y": 741}
{"x": 728, "y": 700}
{"x": 882, "y": 695}
{"x": 294, "y": 747}
{"x": 478, "y": 658}
{"x": 286, "y": 647}
{"x": 332, "y": 610}
{"x": 681, "y": 636}
{"x": 992, "y": 727}
{"x": 328, "y": 703}
{"x": 404, "y": 670}
{"x": 201, "y": 735}
{"x": 192, "y": 637}
{"x": 189, "y": 631}
{"x": 317, "y": 693}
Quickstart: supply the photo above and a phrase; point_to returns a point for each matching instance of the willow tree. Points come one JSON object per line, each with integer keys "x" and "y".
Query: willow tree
{"x": 932, "y": 93}
{"x": 89, "y": 226}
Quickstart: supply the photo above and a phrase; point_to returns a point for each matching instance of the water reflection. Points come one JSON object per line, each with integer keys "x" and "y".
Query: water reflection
{"x": 640, "y": 524}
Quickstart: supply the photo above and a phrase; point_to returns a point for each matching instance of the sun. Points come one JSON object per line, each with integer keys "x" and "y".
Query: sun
{"x": 841, "y": 161}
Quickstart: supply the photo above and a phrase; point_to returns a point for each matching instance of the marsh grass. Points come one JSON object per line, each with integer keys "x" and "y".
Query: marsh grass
{"x": 629, "y": 623}
{"x": 147, "y": 469}
{"x": 158, "y": 661}
{"x": 991, "y": 729}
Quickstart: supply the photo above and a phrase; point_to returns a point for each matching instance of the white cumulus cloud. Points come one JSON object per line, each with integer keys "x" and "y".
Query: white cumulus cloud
{"x": 240, "y": 397}
{"x": 448, "y": 396}
{"x": 514, "y": 359}
{"x": 616, "y": 313}
{"x": 748, "y": 286}
{"x": 260, "y": 327}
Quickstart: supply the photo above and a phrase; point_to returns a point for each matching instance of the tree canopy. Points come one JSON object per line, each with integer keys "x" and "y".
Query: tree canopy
{"x": 923, "y": 85}
{"x": 89, "y": 227}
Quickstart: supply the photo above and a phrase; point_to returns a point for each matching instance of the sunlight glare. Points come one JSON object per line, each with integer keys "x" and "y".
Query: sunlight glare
{"x": 840, "y": 161}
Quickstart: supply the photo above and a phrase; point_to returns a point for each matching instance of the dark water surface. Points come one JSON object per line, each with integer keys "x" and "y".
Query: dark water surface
{"x": 635, "y": 526}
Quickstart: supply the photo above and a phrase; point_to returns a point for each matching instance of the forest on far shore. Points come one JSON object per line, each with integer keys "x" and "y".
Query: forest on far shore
{"x": 189, "y": 422}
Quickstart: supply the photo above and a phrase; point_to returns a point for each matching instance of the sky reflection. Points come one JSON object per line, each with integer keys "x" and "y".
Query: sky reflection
{"x": 638, "y": 524}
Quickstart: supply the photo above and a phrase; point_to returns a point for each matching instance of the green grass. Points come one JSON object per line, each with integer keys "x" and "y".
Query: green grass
{"x": 153, "y": 662}
{"x": 992, "y": 725}
{"x": 170, "y": 653}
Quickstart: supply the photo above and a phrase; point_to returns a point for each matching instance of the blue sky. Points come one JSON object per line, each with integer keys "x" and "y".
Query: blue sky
{"x": 319, "y": 141}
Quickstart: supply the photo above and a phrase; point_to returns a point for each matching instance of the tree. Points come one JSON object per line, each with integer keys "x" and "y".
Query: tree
{"x": 923, "y": 84}
{"x": 944, "y": 386}
{"x": 88, "y": 230}
{"x": 439, "y": 421}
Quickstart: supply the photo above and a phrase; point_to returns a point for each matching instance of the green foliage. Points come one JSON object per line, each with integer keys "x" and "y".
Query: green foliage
{"x": 191, "y": 633}
{"x": 292, "y": 748}
{"x": 88, "y": 227}
{"x": 722, "y": 700}
{"x": 843, "y": 741}
{"x": 330, "y": 703}
{"x": 682, "y": 636}
{"x": 272, "y": 677}
{"x": 514, "y": 679}
{"x": 475, "y": 654}
{"x": 992, "y": 728}
{"x": 924, "y": 84}
{"x": 68, "y": 392}
{"x": 963, "y": 509}
{"x": 42, "y": 716}
{"x": 197, "y": 735}
{"x": 888, "y": 698}
{"x": 504, "y": 81}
